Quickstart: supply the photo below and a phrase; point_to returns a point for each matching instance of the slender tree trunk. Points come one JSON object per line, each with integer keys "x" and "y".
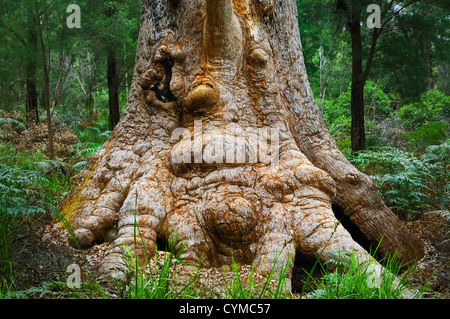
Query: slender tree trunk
{"x": 358, "y": 135}
{"x": 51, "y": 152}
{"x": 59, "y": 83}
{"x": 323, "y": 88}
{"x": 89, "y": 106}
{"x": 87, "y": 84}
{"x": 91, "y": 87}
{"x": 372, "y": 103}
{"x": 222, "y": 143}
{"x": 32, "y": 114}
{"x": 113, "y": 89}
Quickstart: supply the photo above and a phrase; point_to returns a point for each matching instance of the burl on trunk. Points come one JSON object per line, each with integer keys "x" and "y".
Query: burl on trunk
{"x": 223, "y": 143}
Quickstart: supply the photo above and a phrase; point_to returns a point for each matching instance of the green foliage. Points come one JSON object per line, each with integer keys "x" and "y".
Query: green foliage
{"x": 10, "y": 121}
{"x": 91, "y": 139}
{"x": 409, "y": 184}
{"x": 425, "y": 135}
{"x": 398, "y": 176}
{"x": 18, "y": 193}
{"x": 93, "y": 134}
{"x": 439, "y": 155}
{"x": 337, "y": 117}
{"x": 157, "y": 283}
{"x": 418, "y": 43}
{"x": 30, "y": 185}
{"x": 376, "y": 100}
{"x": 25, "y": 187}
{"x": 105, "y": 25}
{"x": 353, "y": 280}
{"x": 336, "y": 112}
{"x": 433, "y": 106}
{"x": 320, "y": 31}
{"x": 250, "y": 290}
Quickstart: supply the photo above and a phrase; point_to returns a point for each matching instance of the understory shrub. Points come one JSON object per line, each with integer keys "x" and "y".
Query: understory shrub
{"x": 433, "y": 106}
{"x": 409, "y": 184}
{"x": 426, "y": 135}
{"x": 91, "y": 139}
{"x": 30, "y": 185}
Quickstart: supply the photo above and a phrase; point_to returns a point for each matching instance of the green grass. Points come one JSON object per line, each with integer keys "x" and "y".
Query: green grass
{"x": 353, "y": 280}
{"x": 160, "y": 282}
{"x": 236, "y": 289}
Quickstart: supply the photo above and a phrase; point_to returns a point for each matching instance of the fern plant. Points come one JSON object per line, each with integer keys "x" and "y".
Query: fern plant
{"x": 19, "y": 194}
{"x": 91, "y": 139}
{"x": 409, "y": 184}
{"x": 87, "y": 149}
{"x": 93, "y": 134}
{"x": 29, "y": 182}
{"x": 12, "y": 122}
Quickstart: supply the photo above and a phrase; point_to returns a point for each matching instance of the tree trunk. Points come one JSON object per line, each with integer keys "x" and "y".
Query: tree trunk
{"x": 31, "y": 107}
{"x": 89, "y": 106}
{"x": 51, "y": 152}
{"x": 222, "y": 142}
{"x": 113, "y": 89}
{"x": 87, "y": 84}
{"x": 358, "y": 135}
{"x": 60, "y": 81}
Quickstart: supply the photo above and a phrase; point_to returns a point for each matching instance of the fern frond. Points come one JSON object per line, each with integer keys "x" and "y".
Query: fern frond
{"x": 7, "y": 120}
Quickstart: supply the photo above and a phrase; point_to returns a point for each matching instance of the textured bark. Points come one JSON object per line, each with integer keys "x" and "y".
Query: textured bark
{"x": 113, "y": 89}
{"x": 234, "y": 65}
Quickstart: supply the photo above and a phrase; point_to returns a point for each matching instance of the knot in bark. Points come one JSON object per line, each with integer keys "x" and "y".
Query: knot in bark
{"x": 232, "y": 219}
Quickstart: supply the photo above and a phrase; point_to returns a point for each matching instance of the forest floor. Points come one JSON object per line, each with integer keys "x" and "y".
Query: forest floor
{"x": 434, "y": 268}
{"x": 42, "y": 255}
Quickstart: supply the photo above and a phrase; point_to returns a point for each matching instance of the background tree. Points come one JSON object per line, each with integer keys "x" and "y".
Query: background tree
{"x": 395, "y": 50}
{"x": 411, "y": 50}
{"x": 111, "y": 28}
{"x": 32, "y": 113}
{"x": 18, "y": 29}
{"x": 75, "y": 58}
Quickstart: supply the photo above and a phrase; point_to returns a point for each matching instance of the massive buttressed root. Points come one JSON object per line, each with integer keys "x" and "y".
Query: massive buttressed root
{"x": 221, "y": 142}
